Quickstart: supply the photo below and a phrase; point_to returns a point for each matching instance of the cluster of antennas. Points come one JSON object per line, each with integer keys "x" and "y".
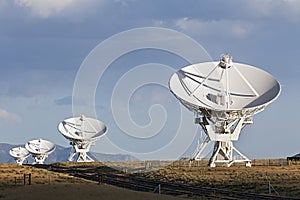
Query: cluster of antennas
{"x": 39, "y": 149}
{"x": 82, "y": 132}
{"x": 224, "y": 95}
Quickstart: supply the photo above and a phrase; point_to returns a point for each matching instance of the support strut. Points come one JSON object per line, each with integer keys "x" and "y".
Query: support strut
{"x": 224, "y": 151}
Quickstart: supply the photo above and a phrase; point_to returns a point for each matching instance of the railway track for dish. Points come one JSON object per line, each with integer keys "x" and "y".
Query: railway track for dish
{"x": 146, "y": 185}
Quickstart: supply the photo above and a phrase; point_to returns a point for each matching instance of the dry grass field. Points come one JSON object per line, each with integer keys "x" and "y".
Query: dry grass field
{"x": 13, "y": 174}
{"x": 48, "y": 185}
{"x": 285, "y": 180}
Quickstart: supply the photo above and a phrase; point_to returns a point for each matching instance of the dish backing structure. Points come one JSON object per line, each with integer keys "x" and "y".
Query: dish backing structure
{"x": 19, "y": 154}
{"x": 39, "y": 149}
{"x": 224, "y": 97}
{"x": 82, "y": 132}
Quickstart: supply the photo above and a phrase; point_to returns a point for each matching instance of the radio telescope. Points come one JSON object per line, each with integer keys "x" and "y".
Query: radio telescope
{"x": 224, "y": 97}
{"x": 39, "y": 149}
{"x": 82, "y": 133}
{"x": 19, "y": 154}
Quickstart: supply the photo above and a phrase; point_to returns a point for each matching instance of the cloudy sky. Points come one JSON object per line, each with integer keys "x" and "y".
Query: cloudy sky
{"x": 44, "y": 43}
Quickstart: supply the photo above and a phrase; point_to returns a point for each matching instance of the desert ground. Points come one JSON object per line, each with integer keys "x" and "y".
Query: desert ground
{"x": 46, "y": 184}
{"x": 76, "y": 191}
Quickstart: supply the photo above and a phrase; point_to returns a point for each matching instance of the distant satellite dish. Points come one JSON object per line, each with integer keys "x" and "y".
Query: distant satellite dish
{"x": 39, "y": 149}
{"x": 224, "y": 96}
{"x": 82, "y": 132}
{"x": 19, "y": 154}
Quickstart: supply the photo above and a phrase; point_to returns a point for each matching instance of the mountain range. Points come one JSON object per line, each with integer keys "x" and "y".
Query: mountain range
{"x": 61, "y": 154}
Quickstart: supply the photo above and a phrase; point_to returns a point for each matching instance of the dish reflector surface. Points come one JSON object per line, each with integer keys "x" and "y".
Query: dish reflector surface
{"x": 212, "y": 87}
{"x": 40, "y": 146}
{"x": 19, "y": 152}
{"x": 82, "y": 128}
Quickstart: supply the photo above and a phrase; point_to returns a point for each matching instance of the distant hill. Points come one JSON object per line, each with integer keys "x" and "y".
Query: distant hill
{"x": 61, "y": 154}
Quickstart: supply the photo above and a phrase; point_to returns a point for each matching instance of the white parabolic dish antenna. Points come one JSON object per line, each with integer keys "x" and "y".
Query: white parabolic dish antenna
{"x": 224, "y": 96}
{"x": 82, "y": 132}
{"x": 39, "y": 149}
{"x": 19, "y": 154}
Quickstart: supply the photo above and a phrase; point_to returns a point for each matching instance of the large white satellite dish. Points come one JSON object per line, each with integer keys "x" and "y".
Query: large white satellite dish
{"x": 39, "y": 149}
{"x": 224, "y": 96}
{"x": 19, "y": 154}
{"x": 82, "y": 133}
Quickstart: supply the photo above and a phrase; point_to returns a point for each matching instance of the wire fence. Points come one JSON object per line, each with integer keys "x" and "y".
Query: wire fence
{"x": 33, "y": 179}
{"x": 156, "y": 164}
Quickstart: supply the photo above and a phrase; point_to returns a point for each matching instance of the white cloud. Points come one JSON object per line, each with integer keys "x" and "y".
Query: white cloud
{"x": 2, "y": 2}
{"x": 281, "y": 9}
{"x": 9, "y": 118}
{"x": 292, "y": 10}
{"x": 50, "y": 8}
{"x": 253, "y": 9}
{"x": 232, "y": 28}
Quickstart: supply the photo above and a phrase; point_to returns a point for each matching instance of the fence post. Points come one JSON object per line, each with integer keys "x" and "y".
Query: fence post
{"x": 272, "y": 188}
{"x": 29, "y": 179}
{"x": 25, "y": 177}
{"x": 99, "y": 179}
{"x": 158, "y": 188}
